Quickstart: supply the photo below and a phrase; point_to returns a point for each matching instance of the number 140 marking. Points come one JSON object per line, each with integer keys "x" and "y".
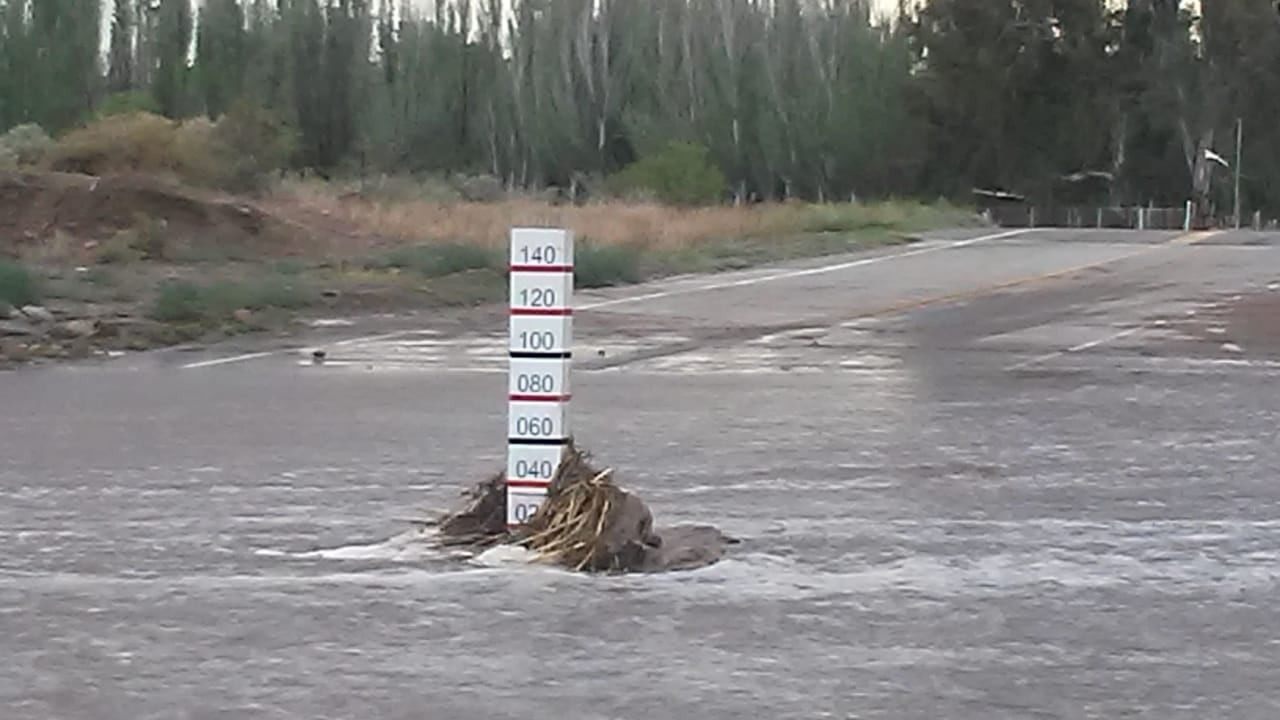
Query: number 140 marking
{"x": 539, "y": 254}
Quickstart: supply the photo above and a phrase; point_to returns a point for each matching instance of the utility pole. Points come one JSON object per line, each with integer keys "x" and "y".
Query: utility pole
{"x": 1239, "y": 144}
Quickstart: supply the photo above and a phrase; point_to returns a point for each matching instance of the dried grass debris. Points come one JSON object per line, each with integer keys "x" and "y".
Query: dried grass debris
{"x": 585, "y": 523}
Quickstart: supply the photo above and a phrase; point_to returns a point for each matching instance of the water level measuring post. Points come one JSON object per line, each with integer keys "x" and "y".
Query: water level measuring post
{"x": 540, "y": 347}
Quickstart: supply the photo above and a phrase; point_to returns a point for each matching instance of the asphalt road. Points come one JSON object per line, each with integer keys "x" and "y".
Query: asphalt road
{"x": 1023, "y": 476}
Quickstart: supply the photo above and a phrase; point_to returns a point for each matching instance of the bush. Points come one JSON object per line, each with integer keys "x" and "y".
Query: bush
{"x": 127, "y": 103}
{"x": 17, "y": 285}
{"x": 146, "y": 239}
{"x": 197, "y": 157}
{"x": 406, "y": 188}
{"x": 604, "y": 265}
{"x": 681, "y": 174}
{"x": 27, "y": 144}
{"x": 236, "y": 154}
{"x": 481, "y": 189}
{"x": 253, "y": 142}
{"x": 182, "y": 301}
{"x": 133, "y": 142}
{"x": 438, "y": 259}
{"x": 178, "y": 302}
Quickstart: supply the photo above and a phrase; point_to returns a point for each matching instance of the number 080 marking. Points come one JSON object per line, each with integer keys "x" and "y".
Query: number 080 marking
{"x": 535, "y": 382}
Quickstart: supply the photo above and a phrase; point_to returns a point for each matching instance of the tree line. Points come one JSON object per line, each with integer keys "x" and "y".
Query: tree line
{"x": 1059, "y": 100}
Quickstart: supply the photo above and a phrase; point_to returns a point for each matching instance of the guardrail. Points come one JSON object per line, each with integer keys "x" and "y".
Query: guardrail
{"x": 1136, "y": 218}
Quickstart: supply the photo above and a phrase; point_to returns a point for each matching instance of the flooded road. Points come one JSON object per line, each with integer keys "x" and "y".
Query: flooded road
{"x": 1019, "y": 478}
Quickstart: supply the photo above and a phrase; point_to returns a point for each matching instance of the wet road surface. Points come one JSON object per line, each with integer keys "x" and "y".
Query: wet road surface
{"x": 1024, "y": 476}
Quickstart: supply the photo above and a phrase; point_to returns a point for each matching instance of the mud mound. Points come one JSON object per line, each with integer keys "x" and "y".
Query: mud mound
{"x": 483, "y": 522}
{"x": 586, "y": 523}
{"x": 35, "y": 206}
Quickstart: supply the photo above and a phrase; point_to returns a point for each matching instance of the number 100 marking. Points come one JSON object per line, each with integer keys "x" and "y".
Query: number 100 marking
{"x": 537, "y": 340}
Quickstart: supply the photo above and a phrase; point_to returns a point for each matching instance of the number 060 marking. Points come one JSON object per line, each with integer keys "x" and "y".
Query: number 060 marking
{"x": 535, "y": 427}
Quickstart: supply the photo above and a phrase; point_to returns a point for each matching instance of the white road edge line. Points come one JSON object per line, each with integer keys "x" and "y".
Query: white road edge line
{"x": 255, "y": 355}
{"x": 226, "y": 360}
{"x": 788, "y": 274}
{"x": 1074, "y": 349}
{"x": 706, "y": 287}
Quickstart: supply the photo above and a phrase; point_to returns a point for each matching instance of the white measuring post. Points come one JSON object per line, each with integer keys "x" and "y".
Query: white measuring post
{"x": 540, "y": 349}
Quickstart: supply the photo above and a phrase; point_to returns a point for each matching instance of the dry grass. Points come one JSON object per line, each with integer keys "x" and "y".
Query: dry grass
{"x": 569, "y": 527}
{"x": 586, "y": 522}
{"x": 647, "y": 226}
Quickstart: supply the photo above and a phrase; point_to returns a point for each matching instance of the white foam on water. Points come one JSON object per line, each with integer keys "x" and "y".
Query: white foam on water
{"x": 505, "y": 556}
{"x": 410, "y": 546}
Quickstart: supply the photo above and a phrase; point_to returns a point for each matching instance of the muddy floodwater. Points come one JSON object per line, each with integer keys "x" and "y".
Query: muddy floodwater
{"x": 1012, "y": 507}
{"x": 1099, "y": 547}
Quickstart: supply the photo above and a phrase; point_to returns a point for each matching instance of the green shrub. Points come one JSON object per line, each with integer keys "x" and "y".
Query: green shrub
{"x": 438, "y": 259}
{"x": 178, "y": 301}
{"x": 252, "y": 141}
{"x": 604, "y": 265}
{"x": 480, "y": 188}
{"x": 681, "y": 174}
{"x": 183, "y": 301}
{"x": 28, "y": 143}
{"x": 17, "y": 285}
{"x": 146, "y": 239}
{"x": 127, "y": 103}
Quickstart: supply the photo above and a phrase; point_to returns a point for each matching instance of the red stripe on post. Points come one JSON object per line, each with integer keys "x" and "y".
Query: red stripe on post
{"x": 540, "y": 484}
{"x": 542, "y": 268}
{"x": 518, "y": 397}
{"x": 544, "y": 312}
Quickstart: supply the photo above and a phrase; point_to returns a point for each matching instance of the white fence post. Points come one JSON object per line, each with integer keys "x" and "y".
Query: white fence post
{"x": 539, "y": 345}
{"x": 1186, "y": 218}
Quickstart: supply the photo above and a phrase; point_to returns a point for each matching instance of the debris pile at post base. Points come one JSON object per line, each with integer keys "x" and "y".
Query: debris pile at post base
{"x": 586, "y": 523}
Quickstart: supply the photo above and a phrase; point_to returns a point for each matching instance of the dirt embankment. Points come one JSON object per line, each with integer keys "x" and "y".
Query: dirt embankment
{"x": 93, "y": 264}
{"x": 36, "y": 208}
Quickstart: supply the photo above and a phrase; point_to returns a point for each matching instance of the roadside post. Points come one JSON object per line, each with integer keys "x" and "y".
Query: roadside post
{"x": 539, "y": 346}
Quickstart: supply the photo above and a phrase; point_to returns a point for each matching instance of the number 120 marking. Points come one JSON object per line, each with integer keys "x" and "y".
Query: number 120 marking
{"x": 538, "y": 297}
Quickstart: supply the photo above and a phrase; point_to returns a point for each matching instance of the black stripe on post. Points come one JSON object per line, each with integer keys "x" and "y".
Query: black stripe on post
{"x": 518, "y": 355}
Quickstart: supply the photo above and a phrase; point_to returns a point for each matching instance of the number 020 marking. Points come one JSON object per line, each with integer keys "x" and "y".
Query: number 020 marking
{"x": 523, "y": 511}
